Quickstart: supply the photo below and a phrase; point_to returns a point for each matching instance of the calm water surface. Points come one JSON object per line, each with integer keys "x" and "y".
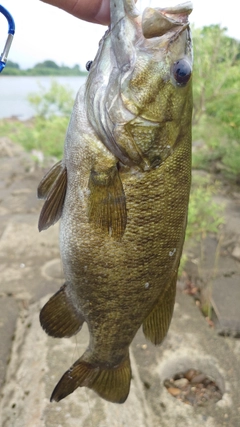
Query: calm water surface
{"x": 15, "y": 90}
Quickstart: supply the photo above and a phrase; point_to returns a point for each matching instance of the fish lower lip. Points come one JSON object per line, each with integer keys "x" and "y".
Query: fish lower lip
{"x": 157, "y": 21}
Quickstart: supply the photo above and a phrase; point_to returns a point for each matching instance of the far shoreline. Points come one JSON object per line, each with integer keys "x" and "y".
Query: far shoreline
{"x": 46, "y": 68}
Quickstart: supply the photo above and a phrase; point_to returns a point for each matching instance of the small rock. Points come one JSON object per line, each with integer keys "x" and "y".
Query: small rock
{"x": 178, "y": 376}
{"x": 168, "y": 383}
{"x": 198, "y": 379}
{"x": 190, "y": 374}
{"x": 174, "y": 391}
{"x": 207, "y": 382}
{"x": 190, "y": 398}
{"x": 181, "y": 383}
{"x": 199, "y": 390}
{"x": 236, "y": 252}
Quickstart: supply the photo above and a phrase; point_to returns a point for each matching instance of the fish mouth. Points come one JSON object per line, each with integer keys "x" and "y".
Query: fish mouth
{"x": 154, "y": 22}
{"x": 158, "y": 21}
{"x": 154, "y": 29}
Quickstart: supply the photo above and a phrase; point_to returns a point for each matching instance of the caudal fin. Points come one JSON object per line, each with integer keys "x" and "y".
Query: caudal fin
{"x": 110, "y": 384}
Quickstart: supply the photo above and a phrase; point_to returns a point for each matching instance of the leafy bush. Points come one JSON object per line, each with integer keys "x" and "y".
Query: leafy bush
{"x": 45, "y": 132}
{"x": 204, "y": 215}
{"x": 231, "y": 159}
{"x": 216, "y": 95}
{"x": 216, "y": 70}
{"x": 58, "y": 100}
{"x": 46, "y": 136}
{"x": 209, "y": 143}
{"x": 12, "y": 64}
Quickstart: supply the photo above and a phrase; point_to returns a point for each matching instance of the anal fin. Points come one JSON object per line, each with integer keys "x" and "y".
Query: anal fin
{"x": 107, "y": 202}
{"x": 112, "y": 384}
{"x": 59, "y": 318}
{"x": 52, "y": 188}
{"x": 157, "y": 323}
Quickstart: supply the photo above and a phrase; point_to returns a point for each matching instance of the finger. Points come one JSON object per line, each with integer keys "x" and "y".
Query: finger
{"x": 97, "y": 11}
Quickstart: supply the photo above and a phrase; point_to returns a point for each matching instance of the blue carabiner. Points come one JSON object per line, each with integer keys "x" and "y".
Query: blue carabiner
{"x": 11, "y": 31}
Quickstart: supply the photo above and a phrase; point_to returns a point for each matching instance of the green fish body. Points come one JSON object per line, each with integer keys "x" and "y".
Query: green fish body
{"x": 122, "y": 192}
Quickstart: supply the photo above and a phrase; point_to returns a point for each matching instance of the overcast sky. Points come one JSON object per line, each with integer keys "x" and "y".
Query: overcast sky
{"x": 45, "y": 32}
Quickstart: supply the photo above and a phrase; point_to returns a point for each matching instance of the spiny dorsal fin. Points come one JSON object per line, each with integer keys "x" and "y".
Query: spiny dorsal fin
{"x": 59, "y": 318}
{"x": 111, "y": 384}
{"x": 48, "y": 180}
{"x": 107, "y": 202}
{"x": 53, "y": 187}
{"x": 156, "y": 325}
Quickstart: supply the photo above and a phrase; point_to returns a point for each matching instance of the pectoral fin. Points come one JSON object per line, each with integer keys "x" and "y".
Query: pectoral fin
{"x": 107, "y": 203}
{"x": 48, "y": 180}
{"x": 157, "y": 323}
{"x": 59, "y": 318}
{"x": 52, "y": 188}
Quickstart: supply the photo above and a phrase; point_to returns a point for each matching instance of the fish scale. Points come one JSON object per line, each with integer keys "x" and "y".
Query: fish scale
{"x": 122, "y": 192}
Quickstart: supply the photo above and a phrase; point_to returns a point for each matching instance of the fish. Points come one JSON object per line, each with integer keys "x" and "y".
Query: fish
{"x": 122, "y": 192}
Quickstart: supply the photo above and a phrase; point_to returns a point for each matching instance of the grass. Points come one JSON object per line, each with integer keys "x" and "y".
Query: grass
{"x": 45, "y": 135}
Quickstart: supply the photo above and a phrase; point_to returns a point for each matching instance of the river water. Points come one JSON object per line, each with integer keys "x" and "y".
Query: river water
{"x": 15, "y": 90}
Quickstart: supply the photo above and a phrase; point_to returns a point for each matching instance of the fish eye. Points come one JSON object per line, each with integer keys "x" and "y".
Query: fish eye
{"x": 88, "y": 65}
{"x": 182, "y": 71}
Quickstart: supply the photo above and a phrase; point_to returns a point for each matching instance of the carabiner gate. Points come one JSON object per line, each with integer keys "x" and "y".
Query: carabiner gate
{"x": 11, "y": 31}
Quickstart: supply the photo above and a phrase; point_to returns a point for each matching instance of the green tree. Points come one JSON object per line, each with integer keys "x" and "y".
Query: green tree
{"x": 12, "y": 64}
{"x": 215, "y": 68}
{"x": 47, "y": 64}
{"x": 76, "y": 68}
{"x": 216, "y": 95}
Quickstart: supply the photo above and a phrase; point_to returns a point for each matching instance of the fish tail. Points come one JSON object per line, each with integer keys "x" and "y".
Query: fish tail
{"x": 112, "y": 384}
{"x": 59, "y": 318}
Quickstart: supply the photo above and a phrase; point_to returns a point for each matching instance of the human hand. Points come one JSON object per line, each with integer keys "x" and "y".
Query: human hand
{"x": 97, "y": 11}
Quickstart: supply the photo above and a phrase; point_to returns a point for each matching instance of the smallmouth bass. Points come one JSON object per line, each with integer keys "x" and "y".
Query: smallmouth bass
{"x": 122, "y": 192}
